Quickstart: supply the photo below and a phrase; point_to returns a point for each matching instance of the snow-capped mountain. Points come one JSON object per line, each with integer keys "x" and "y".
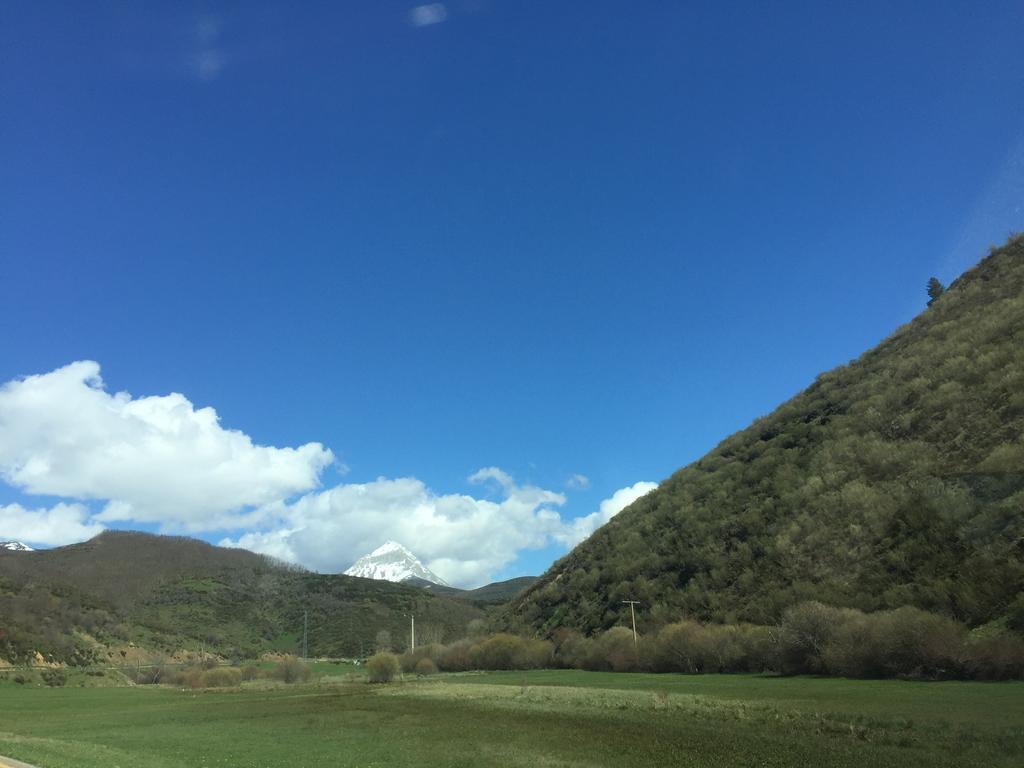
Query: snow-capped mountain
{"x": 393, "y": 562}
{"x": 16, "y": 546}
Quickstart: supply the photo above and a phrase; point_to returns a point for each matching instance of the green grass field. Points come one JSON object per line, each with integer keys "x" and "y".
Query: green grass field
{"x": 547, "y": 718}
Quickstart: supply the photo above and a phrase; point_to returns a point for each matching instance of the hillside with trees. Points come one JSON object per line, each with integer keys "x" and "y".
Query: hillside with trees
{"x": 495, "y": 593}
{"x": 896, "y": 480}
{"x": 86, "y": 602}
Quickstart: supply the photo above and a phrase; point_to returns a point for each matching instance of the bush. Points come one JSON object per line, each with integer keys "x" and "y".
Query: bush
{"x": 291, "y": 670}
{"x": 410, "y": 659}
{"x": 54, "y": 678}
{"x": 457, "y": 657}
{"x": 497, "y": 652}
{"x": 913, "y": 642}
{"x": 853, "y": 650}
{"x": 382, "y": 667}
{"x": 534, "y": 654}
{"x": 759, "y": 648}
{"x": 806, "y": 630}
{"x": 614, "y": 650}
{"x": 677, "y": 647}
{"x": 425, "y": 667}
{"x": 141, "y": 676}
{"x": 200, "y": 677}
{"x": 691, "y": 647}
{"x": 681, "y": 647}
{"x": 249, "y": 672}
{"x": 724, "y": 651}
{"x": 996, "y": 657}
{"x": 570, "y": 647}
{"x": 220, "y": 677}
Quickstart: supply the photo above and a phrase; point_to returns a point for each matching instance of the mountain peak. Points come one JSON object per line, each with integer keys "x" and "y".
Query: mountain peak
{"x": 16, "y": 546}
{"x": 388, "y": 547}
{"x": 393, "y": 562}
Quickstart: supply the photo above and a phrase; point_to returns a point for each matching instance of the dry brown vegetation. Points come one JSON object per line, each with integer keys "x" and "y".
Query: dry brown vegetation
{"x": 210, "y": 674}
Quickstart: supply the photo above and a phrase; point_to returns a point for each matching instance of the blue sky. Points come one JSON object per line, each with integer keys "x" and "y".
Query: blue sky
{"x": 546, "y": 239}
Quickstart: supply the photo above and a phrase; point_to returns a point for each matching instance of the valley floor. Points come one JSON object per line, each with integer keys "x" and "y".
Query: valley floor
{"x": 538, "y": 718}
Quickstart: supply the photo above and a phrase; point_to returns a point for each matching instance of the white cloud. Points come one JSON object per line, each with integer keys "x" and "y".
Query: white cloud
{"x": 158, "y": 460}
{"x": 152, "y": 459}
{"x": 580, "y": 528}
{"x": 578, "y": 482}
{"x": 464, "y": 539}
{"x": 59, "y": 525}
{"x": 425, "y": 15}
{"x": 502, "y": 478}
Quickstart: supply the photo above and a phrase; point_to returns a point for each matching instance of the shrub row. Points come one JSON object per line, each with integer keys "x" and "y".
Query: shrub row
{"x": 812, "y": 638}
{"x": 906, "y": 641}
{"x": 501, "y": 651}
{"x": 208, "y": 675}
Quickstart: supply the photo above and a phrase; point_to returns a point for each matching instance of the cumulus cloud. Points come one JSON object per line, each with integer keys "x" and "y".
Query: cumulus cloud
{"x": 463, "y": 539}
{"x": 159, "y": 460}
{"x": 59, "y": 525}
{"x": 150, "y": 459}
{"x": 425, "y": 15}
{"x": 577, "y": 530}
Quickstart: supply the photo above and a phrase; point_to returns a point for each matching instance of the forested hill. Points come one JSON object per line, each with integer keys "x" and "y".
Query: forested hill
{"x": 89, "y": 602}
{"x": 895, "y": 480}
{"x": 494, "y": 593}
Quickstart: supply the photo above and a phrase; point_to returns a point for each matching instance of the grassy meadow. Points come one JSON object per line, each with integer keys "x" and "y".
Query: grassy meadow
{"x": 545, "y": 718}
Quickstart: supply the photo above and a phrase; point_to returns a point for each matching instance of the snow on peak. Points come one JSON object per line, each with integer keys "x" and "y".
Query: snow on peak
{"x": 390, "y": 546}
{"x": 15, "y": 546}
{"x": 393, "y": 562}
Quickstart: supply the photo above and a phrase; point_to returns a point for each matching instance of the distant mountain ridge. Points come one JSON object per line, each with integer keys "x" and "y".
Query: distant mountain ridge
{"x": 489, "y": 594}
{"x": 895, "y": 480}
{"x": 393, "y": 562}
{"x": 15, "y": 546}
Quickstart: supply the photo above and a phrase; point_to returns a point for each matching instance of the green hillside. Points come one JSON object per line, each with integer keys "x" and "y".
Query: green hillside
{"x": 88, "y": 602}
{"x": 495, "y": 593}
{"x": 895, "y": 480}
{"x": 501, "y": 591}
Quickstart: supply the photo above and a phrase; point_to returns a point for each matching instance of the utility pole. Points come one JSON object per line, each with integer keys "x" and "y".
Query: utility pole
{"x": 305, "y": 635}
{"x": 633, "y": 614}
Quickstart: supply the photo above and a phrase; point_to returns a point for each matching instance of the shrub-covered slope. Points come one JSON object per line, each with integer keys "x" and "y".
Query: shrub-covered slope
{"x": 166, "y": 594}
{"x": 495, "y": 593}
{"x": 895, "y": 480}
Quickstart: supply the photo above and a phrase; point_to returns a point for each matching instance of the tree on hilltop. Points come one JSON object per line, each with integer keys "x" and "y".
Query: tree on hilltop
{"x": 935, "y": 289}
